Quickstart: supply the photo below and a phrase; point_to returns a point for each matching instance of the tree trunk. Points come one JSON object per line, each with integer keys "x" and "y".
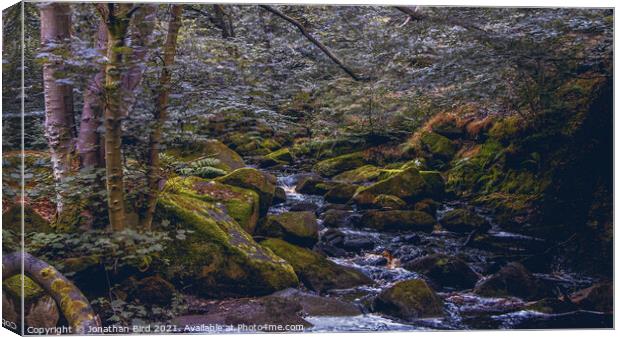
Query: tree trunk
{"x": 160, "y": 114}
{"x": 117, "y": 18}
{"x": 73, "y": 304}
{"x": 59, "y": 119}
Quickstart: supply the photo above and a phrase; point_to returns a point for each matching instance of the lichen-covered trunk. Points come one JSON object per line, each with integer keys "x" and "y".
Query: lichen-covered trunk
{"x": 73, "y": 304}
{"x": 59, "y": 119}
{"x": 160, "y": 114}
{"x": 113, "y": 115}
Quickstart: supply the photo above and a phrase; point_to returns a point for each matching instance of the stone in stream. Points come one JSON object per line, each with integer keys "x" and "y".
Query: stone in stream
{"x": 427, "y": 205}
{"x": 314, "y": 305}
{"x": 218, "y": 258}
{"x": 338, "y": 218}
{"x": 271, "y": 311}
{"x": 340, "y": 193}
{"x": 512, "y": 280}
{"x": 296, "y": 227}
{"x": 408, "y": 185}
{"x": 598, "y": 297}
{"x": 386, "y": 201}
{"x": 464, "y": 221}
{"x": 333, "y": 166}
{"x": 409, "y": 300}
{"x": 313, "y": 185}
{"x": 314, "y": 270}
{"x": 398, "y": 220}
{"x": 279, "y": 196}
{"x": 444, "y": 271}
{"x": 260, "y": 182}
{"x": 335, "y": 238}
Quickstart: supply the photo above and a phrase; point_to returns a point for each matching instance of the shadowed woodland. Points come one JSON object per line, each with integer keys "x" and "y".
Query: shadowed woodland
{"x": 335, "y": 168}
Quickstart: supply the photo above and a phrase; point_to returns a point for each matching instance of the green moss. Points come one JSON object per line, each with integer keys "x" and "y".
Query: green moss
{"x": 316, "y": 272}
{"x": 270, "y": 144}
{"x": 249, "y": 178}
{"x": 219, "y": 258}
{"x": 281, "y": 156}
{"x": 229, "y": 159}
{"x": 13, "y": 286}
{"x": 438, "y": 145}
{"x": 333, "y": 166}
{"x": 366, "y": 173}
{"x": 410, "y": 299}
{"x": 507, "y": 128}
{"x": 407, "y": 185}
{"x": 297, "y": 227}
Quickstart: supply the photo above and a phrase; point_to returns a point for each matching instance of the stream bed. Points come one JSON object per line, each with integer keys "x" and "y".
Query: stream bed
{"x": 464, "y": 309}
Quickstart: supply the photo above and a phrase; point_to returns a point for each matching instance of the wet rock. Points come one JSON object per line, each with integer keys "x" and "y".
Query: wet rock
{"x": 444, "y": 271}
{"x": 337, "y": 218}
{"x": 333, "y": 166}
{"x": 569, "y": 320}
{"x": 407, "y": 185}
{"x": 409, "y": 300}
{"x": 219, "y": 258}
{"x": 271, "y": 311}
{"x": 464, "y": 221}
{"x": 364, "y": 174}
{"x": 315, "y": 271}
{"x": 260, "y": 182}
{"x": 386, "y": 201}
{"x": 330, "y": 250}
{"x": 241, "y": 204}
{"x": 154, "y": 290}
{"x": 598, "y": 297}
{"x": 312, "y": 185}
{"x": 398, "y": 220}
{"x": 303, "y": 206}
{"x": 427, "y": 205}
{"x": 512, "y": 280}
{"x": 314, "y": 305}
{"x": 551, "y": 305}
{"x": 279, "y": 196}
{"x": 340, "y": 193}
{"x": 358, "y": 244}
{"x": 296, "y": 227}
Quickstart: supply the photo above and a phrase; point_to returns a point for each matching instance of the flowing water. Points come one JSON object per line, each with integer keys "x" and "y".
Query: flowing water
{"x": 464, "y": 309}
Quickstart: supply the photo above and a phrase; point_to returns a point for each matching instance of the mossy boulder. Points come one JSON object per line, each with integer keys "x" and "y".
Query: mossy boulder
{"x": 271, "y": 144}
{"x": 408, "y": 185}
{"x": 33, "y": 222}
{"x": 386, "y": 201}
{"x": 279, "y": 196}
{"x": 338, "y": 218}
{"x": 218, "y": 258}
{"x": 41, "y": 310}
{"x": 333, "y": 166}
{"x": 229, "y": 159}
{"x": 312, "y": 185}
{"x": 296, "y": 227}
{"x": 316, "y": 271}
{"x": 438, "y": 146}
{"x": 409, "y": 300}
{"x": 260, "y": 182}
{"x": 340, "y": 193}
{"x": 241, "y": 204}
{"x": 444, "y": 271}
{"x": 398, "y": 220}
{"x": 511, "y": 280}
{"x": 281, "y": 156}
{"x": 462, "y": 220}
{"x": 363, "y": 174}
{"x": 434, "y": 182}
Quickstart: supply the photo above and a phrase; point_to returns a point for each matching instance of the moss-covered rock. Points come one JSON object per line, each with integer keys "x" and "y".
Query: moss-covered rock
{"x": 312, "y": 185}
{"x": 364, "y": 174}
{"x": 398, "y": 220}
{"x": 279, "y": 196}
{"x": 338, "y": 218}
{"x": 437, "y": 145}
{"x": 41, "y": 311}
{"x": 427, "y": 205}
{"x": 219, "y": 258}
{"x": 434, "y": 182}
{"x": 13, "y": 287}
{"x": 409, "y": 300}
{"x": 386, "y": 201}
{"x": 241, "y": 204}
{"x": 551, "y": 305}
{"x": 260, "y": 182}
{"x": 407, "y": 185}
{"x": 314, "y": 270}
{"x": 512, "y": 280}
{"x": 281, "y": 156}
{"x": 463, "y": 220}
{"x": 340, "y": 193}
{"x": 444, "y": 271}
{"x": 271, "y": 144}
{"x": 229, "y": 159}
{"x": 296, "y": 227}
{"x": 333, "y": 166}
{"x": 32, "y": 221}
